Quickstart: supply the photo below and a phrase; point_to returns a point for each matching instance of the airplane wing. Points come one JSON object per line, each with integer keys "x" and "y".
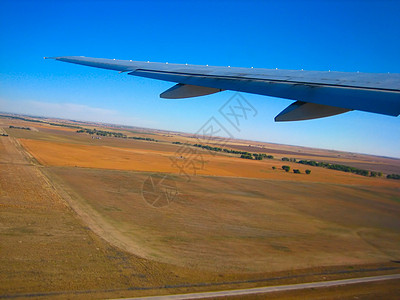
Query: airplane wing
{"x": 317, "y": 93}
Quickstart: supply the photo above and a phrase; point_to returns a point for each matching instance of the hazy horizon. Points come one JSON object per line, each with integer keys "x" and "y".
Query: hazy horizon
{"x": 184, "y": 132}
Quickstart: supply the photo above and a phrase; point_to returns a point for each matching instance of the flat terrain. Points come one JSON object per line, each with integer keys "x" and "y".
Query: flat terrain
{"x": 46, "y": 248}
{"x": 235, "y": 224}
{"x": 79, "y": 213}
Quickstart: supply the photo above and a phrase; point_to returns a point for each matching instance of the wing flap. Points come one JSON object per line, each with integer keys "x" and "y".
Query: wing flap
{"x": 180, "y": 91}
{"x": 299, "y": 111}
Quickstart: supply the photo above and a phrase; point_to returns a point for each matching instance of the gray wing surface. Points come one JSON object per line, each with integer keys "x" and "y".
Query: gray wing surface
{"x": 317, "y": 93}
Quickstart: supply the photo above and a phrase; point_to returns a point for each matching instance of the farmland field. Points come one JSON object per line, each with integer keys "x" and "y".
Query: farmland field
{"x": 80, "y": 213}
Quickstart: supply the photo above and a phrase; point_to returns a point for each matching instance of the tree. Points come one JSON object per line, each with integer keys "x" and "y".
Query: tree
{"x": 285, "y": 159}
{"x": 296, "y": 171}
{"x": 286, "y": 168}
{"x": 273, "y": 168}
{"x": 247, "y": 156}
{"x": 308, "y": 171}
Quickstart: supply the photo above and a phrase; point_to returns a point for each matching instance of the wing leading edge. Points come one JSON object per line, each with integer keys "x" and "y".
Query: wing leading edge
{"x": 318, "y": 94}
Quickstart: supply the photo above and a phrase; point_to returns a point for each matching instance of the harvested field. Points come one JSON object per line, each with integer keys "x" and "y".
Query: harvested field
{"x": 45, "y": 247}
{"x": 244, "y": 225}
{"x": 74, "y": 220}
{"x": 157, "y": 158}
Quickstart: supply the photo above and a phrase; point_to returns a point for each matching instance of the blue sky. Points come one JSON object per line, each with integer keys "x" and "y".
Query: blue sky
{"x": 312, "y": 35}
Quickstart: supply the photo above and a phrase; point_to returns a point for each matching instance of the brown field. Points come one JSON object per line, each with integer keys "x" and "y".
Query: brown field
{"x": 155, "y": 157}
{"x": 243, "y": 225}
{"x": 74, "y": 220}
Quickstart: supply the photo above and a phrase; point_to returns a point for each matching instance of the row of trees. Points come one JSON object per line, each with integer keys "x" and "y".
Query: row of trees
{"x": 289, "y": 159}
{"x": 207, "y": 147}
{"x": 243, "y": 154}
{"x": 142, "y": 138}
{"x": 246, "y": 156}
{"x": 16, "y": 127}
{"x": 22, "y": 119}
{"x": 256, "y": 156}
{"x": 340, "y": 168}
{"x": 101, "y": 132}
{"x": 234, "y": 151}
{"x": 112, "y": 133}
{"x": 296, "y": 171}
{"x": 63, "y": 125}
{"x": 260, "y": 156}
{"x": 40, "y": 121}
